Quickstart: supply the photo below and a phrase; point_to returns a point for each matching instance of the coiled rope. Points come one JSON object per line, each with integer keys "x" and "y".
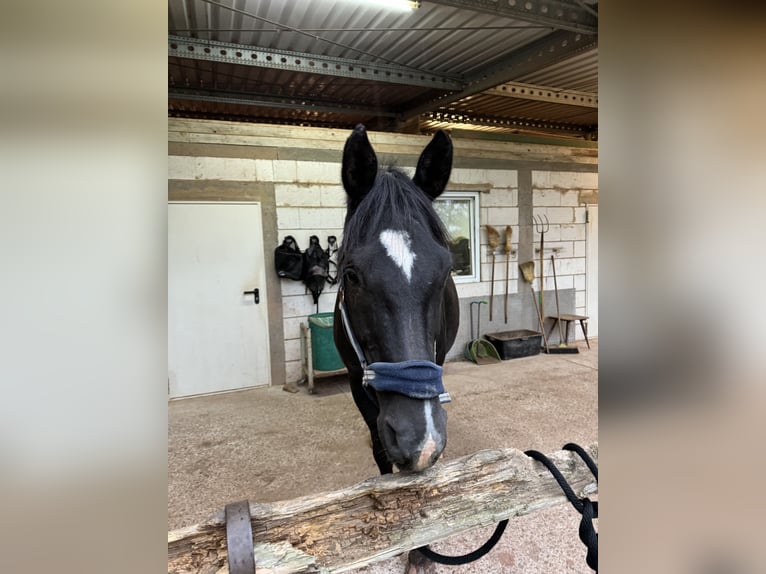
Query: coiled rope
{"x": 587, "y": 508}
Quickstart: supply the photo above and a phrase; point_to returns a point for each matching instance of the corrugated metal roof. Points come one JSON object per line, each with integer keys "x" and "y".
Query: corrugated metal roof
{"x": 580, "y": 72}
{"x": 463, "y": 45}
{"x": 491, "y": 105}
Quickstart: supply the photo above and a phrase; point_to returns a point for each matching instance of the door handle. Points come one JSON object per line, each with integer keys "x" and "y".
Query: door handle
{"x": 256, "y": 295}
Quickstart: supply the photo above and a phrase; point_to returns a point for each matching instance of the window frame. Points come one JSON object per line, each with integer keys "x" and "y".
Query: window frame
{"x": 474, "y": 229}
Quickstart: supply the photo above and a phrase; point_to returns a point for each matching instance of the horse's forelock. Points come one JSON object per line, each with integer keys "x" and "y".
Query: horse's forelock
{"x": 394, "y": 198}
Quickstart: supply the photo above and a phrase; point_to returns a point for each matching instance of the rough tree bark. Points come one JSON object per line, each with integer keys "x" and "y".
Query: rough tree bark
{"x": 384, "y": 516}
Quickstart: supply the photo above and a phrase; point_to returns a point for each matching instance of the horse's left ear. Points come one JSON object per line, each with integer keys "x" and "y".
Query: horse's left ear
{"x": 434, "y": 165}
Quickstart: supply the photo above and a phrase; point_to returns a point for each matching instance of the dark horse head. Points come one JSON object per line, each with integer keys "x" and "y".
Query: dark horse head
{"x": 396, "y": 315}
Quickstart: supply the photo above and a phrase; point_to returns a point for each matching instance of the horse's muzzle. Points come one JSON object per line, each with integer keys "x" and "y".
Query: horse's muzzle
{"x": 413, "y": 431}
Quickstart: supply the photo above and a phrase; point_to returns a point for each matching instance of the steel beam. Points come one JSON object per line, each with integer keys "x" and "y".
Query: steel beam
{"x": 545, "y": 94}
{"x": 563, "y": 15}
{"x": 450, "y": 117}
{"x": 532, "y": 57}
{"x": 306, "y": 104}
{"x": 213, "y": 51}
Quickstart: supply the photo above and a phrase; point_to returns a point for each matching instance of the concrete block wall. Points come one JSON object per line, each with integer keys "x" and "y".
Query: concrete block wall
{"x": 310, "y": 201}
{"x": 562, "y": 197}
{"x": 498, "y": 207}
{"x": 296, "y": 171}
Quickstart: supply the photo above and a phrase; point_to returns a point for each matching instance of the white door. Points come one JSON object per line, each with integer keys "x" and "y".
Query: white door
{"x": 218, "y": 338}
{"x": 591, "y": 293}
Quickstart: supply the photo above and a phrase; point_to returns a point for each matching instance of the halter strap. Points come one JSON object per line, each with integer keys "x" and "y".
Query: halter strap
{"x": 415, "y": 378}
{"x": 347, "y": 328}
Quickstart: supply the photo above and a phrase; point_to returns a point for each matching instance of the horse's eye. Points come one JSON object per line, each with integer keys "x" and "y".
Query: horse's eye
{"x": 351, "y": 276}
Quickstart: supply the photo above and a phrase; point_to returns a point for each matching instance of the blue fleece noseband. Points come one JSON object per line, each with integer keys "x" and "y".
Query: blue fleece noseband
{"x": 416, "y": 379}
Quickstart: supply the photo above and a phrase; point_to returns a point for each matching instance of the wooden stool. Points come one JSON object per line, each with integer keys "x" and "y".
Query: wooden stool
{"x": 567, "y": 319}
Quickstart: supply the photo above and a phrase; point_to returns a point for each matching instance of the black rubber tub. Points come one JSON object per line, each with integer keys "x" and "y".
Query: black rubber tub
{"x": 515, "y": 344}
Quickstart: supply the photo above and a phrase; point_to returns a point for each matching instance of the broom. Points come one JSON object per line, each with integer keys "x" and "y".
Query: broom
{"x": 563, "y": 347}
{"x": 528, "y": 271}
{"x": 493, "y": 237}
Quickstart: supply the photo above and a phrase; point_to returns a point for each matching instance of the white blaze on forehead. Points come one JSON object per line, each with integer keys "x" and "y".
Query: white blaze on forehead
{"x": 398, "y": 248}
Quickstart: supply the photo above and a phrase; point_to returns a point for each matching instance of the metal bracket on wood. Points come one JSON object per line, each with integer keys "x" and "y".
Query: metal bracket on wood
{"x": 239, "y": 538}
{"x": 500, "y": 250}
{"x": 554, "y": 250}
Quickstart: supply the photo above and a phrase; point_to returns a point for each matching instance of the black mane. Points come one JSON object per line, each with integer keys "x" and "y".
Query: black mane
{"x": 393, "y": 201}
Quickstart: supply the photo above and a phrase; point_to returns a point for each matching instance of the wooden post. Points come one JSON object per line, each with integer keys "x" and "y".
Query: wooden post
{"x": 385, "y": 516}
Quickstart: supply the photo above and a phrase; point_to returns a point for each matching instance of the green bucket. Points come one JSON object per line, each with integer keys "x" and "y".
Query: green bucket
{"x": 325, "y": 354}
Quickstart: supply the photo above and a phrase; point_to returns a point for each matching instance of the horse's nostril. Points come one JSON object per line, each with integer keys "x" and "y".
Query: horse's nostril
{"x": 389, "y": 436}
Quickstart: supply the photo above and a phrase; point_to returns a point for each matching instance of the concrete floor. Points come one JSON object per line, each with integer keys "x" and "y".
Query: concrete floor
{"x": 268, "y": 444}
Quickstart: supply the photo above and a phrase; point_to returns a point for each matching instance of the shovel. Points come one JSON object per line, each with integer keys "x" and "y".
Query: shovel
{"x": 480, "y": 351}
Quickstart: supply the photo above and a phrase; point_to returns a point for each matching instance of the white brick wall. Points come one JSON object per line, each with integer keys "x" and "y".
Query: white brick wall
{"x": 564, "y": 180}
{"x": 310, "y": 201}
{"x": 546, "y": 197}
{"x": 264, "y": 170}
{"x": 557, "y": 196}
{"x": 333, "y": 196}
{"x": 556, "y": 214}
{"x": 292, "y": 350}
{"x": 317, "y": 172}
{"x": 293, "y": 326}
{"x": 500, "y": 217}
{"x": 180, "y": 167}
{"x": 293, "y": 371}
{"x": 215, "y": 168}
{"x": 285, "y": 170}
{"x": 574, "y": 231}
{"x": 224, "y": 168}
{"x": 500, "y": 198}
{"x": 320, "y": 218}
{"x": 502, "y": 178}
{"x": 288, "y": 218}
{"x": 470, "y": 176}
{"x": 290, "y": 195}
{"x": 570, "y": 198}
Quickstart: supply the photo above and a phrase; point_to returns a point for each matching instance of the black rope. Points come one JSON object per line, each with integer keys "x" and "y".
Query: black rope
{"x": 571, "y": 496}
{"x": 587, "y": 508}
{"x": 588, "y": 534}
{"x": 471, "y": 556}
{"x": 584, "y": 456}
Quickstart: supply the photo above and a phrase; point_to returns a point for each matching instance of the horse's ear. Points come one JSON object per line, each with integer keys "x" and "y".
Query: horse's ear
{"x": 360, "y": 164}
{"x": 434, "y": 165}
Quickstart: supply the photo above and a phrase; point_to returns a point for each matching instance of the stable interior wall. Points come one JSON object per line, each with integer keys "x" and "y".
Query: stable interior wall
{"x": 295, "y": 173}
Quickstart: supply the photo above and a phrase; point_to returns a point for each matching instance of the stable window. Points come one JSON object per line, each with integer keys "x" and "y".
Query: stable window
{"x": 459, "y": 211}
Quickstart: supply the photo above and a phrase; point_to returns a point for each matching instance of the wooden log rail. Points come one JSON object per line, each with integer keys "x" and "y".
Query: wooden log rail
{"x": 385, "y": 516}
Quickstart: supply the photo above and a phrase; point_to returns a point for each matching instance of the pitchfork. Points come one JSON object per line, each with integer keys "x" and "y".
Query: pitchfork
{"x": 542, "y": 225}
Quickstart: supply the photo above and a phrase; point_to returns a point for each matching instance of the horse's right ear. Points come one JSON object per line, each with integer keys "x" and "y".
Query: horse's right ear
{"x": 434, "y": 165}
{"x": 360, "y": 165}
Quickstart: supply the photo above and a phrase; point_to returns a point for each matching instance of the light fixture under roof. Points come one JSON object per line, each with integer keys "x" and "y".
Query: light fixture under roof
{"x": 399, "y": 5}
